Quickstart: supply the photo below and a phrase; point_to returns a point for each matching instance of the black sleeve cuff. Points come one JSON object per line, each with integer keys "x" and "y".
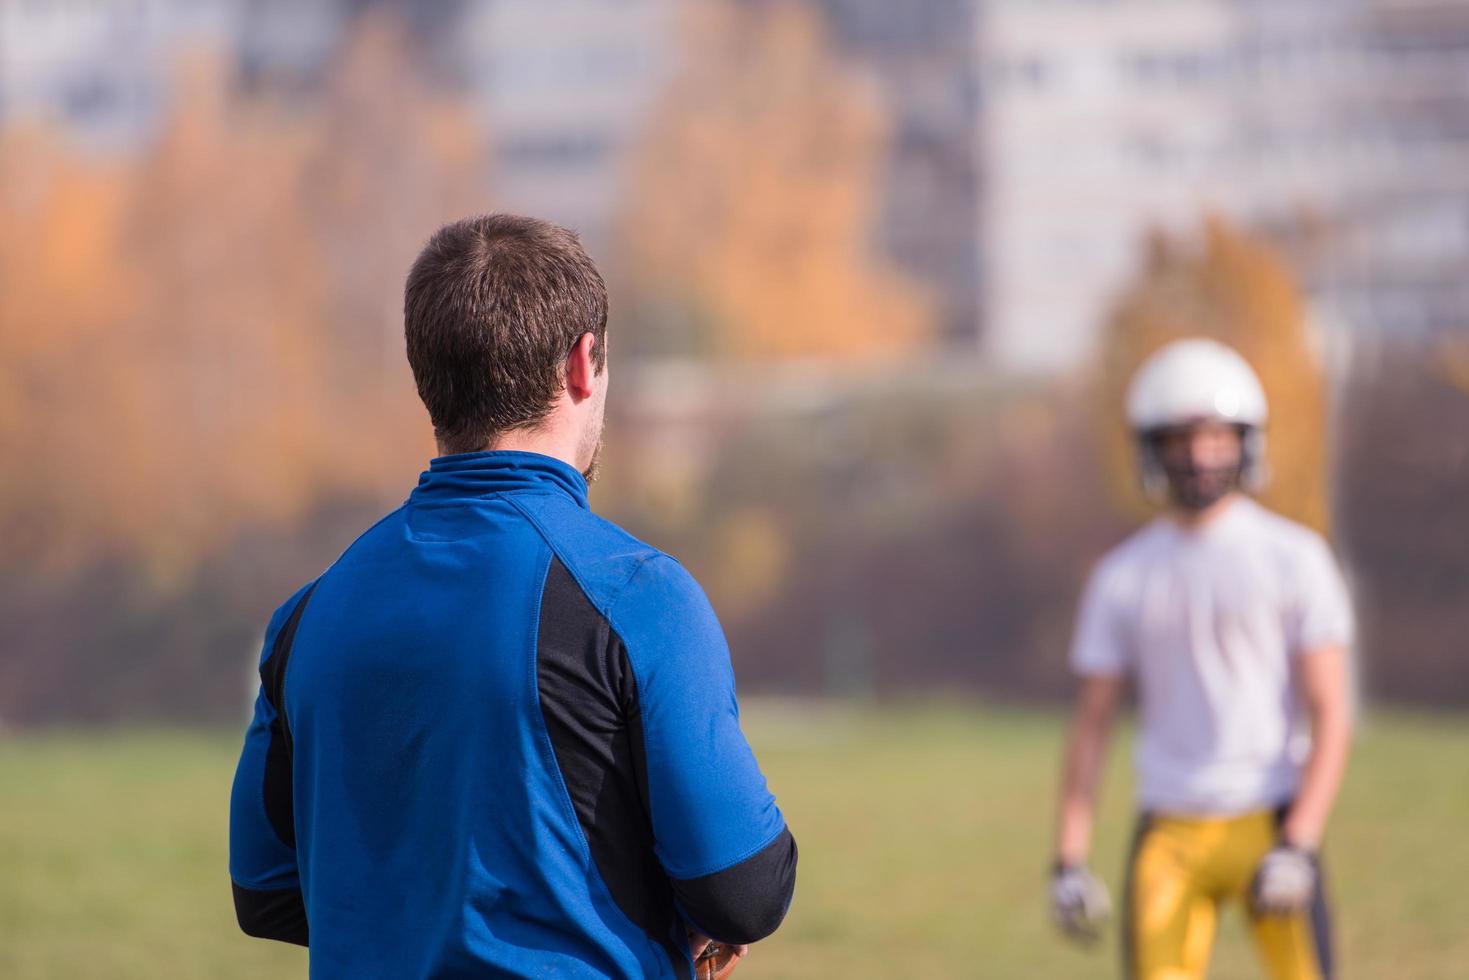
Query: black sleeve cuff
{"x": 746, "y": 902}
{"x": 279, "y": 915}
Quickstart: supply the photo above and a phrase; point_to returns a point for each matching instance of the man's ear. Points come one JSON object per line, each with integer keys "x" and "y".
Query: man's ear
{"x": 581, "y": 370}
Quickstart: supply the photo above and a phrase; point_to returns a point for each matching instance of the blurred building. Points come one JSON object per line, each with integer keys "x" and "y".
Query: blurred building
{"x": 1341, "y": 128}
{"x": 1099, "y": 119}
{"x": 1034, "y": 141}
{"x": 1392, "y": 249}
{"x": 287, "y": 45}
{"x": 563, "y": 88}
{"x": 100, "y": 71}
{"x": 926, "y": 67}
{"x": 560, "y": 88}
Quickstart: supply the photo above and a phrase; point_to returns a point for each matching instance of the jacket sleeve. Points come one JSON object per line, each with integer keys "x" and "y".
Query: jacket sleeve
{"x": 263, "y": 872}
{"x": 717, "y": 831}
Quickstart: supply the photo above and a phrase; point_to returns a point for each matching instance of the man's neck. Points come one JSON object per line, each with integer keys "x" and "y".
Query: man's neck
{"x": 544, "y": 441}
{"x": 1197, "y": 520}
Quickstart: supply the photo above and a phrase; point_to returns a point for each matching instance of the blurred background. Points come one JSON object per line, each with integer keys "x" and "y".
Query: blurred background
{"x": 879, "y": 272}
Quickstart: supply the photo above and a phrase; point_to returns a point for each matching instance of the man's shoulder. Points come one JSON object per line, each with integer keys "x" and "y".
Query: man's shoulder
{"x": 281, "y": 615}
{"x": 1124, "y": 558}
{"x": 610, "y": 564}
{"x": 1291, "y": 539}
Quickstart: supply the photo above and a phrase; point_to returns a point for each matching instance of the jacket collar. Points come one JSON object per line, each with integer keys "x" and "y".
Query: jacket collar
{"x": 484, "y": 474}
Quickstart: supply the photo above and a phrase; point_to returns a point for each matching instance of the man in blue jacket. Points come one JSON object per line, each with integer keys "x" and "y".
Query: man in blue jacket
{"x": 499, "y": 736}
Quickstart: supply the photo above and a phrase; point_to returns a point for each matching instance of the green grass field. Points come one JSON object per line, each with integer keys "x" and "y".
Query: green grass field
{"x": 924, "y": 839}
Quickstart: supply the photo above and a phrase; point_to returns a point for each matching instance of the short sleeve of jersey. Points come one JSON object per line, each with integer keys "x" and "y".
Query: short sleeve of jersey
{"x": 1100, "y": 645}
{"x": 1322, "y": 611}
{"x": 710, "y": 805}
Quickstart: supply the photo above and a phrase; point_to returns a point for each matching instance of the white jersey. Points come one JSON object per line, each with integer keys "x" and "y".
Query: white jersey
{"x": 1208, "y": 620}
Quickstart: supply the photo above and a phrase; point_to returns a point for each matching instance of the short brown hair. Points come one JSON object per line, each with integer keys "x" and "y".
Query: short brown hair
{"x": 492, "y": 307}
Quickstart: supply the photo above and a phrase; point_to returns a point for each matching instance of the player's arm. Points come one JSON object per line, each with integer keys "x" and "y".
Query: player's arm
{"x": 1321, "y": 627}
{"x": 263, "y": 872}
{"x": 1287, "y": 877}
{"x": 1079, "y": 900}
{"x": 717, "y": 832}
{"x": 1100, "y": 655}
{"x": 1086, "y": 752}
{"x": 1321, "y": 678}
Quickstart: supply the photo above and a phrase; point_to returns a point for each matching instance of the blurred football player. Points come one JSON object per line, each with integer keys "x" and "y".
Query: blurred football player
{"x": 1234, "y": 623}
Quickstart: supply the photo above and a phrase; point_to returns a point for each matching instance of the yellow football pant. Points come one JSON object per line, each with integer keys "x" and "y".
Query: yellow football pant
{"x": 1183, "y": 869}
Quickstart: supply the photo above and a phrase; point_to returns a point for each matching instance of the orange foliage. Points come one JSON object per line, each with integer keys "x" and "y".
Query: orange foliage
{"x": 753, "y": 202}
{"x": 209, "y": 335}
{"x": 1453, "y": 359}
{"x": 1239, "y": 291}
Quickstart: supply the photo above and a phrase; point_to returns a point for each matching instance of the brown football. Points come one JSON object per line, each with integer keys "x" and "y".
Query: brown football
{"x": 716, "y": 962}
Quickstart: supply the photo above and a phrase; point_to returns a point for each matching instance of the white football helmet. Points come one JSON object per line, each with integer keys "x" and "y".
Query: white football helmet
{"x": 1197, "y": 380}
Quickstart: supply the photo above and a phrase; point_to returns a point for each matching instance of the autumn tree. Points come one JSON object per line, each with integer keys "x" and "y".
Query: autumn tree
{"x": 1453, "y": 356}
{"x": 1237, "y": 290}
{"x": 749, "y": 223}
{"x": 747, "y": 239}
{"x": 202, "y": 368}
{"x": 392, "y": 158}
{"x": 63, "y": 293}
{"x": 208, "y": 332}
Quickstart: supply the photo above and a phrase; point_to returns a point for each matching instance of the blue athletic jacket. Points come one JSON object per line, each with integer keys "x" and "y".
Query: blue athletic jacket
{"x": 499, "y": 737}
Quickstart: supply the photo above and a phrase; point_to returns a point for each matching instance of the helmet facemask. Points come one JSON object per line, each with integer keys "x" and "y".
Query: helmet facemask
{"x": 1194, "y": 487}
